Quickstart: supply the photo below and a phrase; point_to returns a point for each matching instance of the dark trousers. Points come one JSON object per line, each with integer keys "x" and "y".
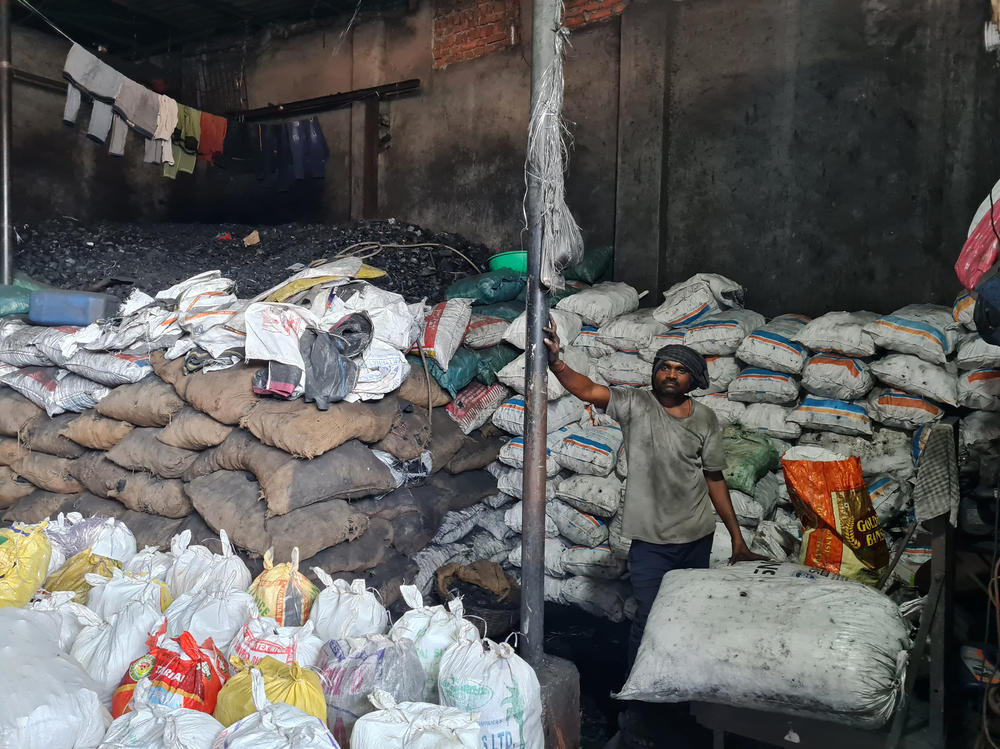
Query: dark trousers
{"x": 648, "y": 563}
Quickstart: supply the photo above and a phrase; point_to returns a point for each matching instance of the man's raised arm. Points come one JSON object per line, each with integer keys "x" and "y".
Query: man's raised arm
{"x": 578, "y": 384}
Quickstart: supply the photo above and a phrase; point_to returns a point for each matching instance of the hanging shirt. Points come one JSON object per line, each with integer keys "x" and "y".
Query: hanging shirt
{"x": 139, "y": 106}
{"x": 185, "y": 141}
{"x": 213, "y": 137}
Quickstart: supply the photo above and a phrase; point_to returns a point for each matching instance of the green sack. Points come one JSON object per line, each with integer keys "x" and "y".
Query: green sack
{"x": 504, "y": 310}
{"x": 596, "y": 264}
{"x": 462, "y": 370}
{"x": 488, "y": 288}
{"x": 492, "y": 360}
{"x": 24, "y": 281}
{"x": 14, "y": 300}
{"x": 749, "y": 455}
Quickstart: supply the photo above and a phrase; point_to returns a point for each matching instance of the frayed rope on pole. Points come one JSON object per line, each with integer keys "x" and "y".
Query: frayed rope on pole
{"x": 547, "y": 162}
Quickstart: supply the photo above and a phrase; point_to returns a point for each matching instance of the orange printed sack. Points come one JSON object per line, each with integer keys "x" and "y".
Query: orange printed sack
{"x": 841, "y": 532}
{"x": 282, "y": 592}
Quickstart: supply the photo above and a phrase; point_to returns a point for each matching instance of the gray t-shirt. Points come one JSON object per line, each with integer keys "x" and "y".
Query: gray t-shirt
{"x": 666, "y": 496}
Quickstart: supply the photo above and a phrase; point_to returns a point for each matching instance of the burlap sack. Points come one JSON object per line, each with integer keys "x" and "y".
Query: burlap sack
{"x": 447, "y": 438}
{"x": 16, "y": 412}
{"x": 409, "y": 436}
{"x": 36, "y": 507}
{"x": 96, "y": 432}
{"x": 148, "y": 403}
{"x": 240, "y": 451}
{"x": 142, "y": 451}
{"x": 301, "y": 429}
{"x": 193, "y": 430}
{"x": 98, "y": 474}
{"x": 11, "y": 490}
{"x": 364, "y": 553}
{"x": 316, "y": 527}
{"x": 226, "y": 396}
{"x": 171, "y": 372}
{"x": 44, "y": 435}
{"x": 231, "y": 500}
{"x": 414, "y": 389}
{"x": 477, "y": 451}
{"x": 10, "y": 450}
{"x": 47, "y": 472}
{"x": 88, "y": 504}
{"x": 144, "y": 492}
{"x": 412, "y": 531}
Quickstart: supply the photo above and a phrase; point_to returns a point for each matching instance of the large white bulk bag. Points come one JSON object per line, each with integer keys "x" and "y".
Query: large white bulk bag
{"x": 924, "y": 330}
{"x": 481, "y": 676}
{"x": 722, "y": 334}
{"x": 843, "y": 332}
{"x": 819, "y": 648}
{"x": 601, "y": 303}
{"x": 414, "y": 725}
{"x": 772, "y": 347}
{"x": 914, "y": 375}
{"x": 344, "y": 610}
{"x": 568, "y": 327}
{"x": 691, "y": 301}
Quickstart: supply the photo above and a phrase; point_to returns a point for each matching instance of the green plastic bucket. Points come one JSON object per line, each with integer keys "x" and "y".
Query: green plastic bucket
{"x": 513, "y": 260}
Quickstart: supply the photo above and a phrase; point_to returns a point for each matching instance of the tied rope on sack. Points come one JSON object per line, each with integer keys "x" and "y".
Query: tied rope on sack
{"x": 547, "y": 160}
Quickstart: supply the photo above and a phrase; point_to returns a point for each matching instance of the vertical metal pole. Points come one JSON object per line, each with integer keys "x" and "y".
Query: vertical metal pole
{"x": 6, "y": 227}
{"x": 545, "y": 21}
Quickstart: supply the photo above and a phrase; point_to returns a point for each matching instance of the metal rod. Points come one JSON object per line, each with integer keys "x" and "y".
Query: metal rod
{"x": 38, "y": 81}
{"x": 545, "y": 20}
{"x": 325, "y": 103}
{"x": 6, "y": 225}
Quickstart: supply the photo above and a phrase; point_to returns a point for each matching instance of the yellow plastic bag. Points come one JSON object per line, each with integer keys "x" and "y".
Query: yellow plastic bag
{"x": 24, "y": 561}
{"x": 72, "y": 575}
{"x": 291, "y": 684}
{"x": 282, "y": 592}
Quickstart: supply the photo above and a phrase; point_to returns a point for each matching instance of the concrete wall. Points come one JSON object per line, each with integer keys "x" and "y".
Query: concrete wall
{"x": 56, "y": 170}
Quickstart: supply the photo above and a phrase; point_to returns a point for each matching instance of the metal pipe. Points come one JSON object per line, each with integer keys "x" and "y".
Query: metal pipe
{"x": 6, "y": 225}
{"x": 545, "y": 21}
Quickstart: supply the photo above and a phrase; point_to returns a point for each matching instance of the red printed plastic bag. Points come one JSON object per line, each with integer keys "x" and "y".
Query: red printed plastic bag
{"x": 181, "y": 673}
{"x": 841, "y": 532}
{"x": 979, "y": 252}
{"x": 444, "y": 329}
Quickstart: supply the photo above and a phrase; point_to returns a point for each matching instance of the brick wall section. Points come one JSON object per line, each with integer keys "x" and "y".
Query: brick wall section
{"x": 581, "y": 13}
{"x": 467, "y": 29}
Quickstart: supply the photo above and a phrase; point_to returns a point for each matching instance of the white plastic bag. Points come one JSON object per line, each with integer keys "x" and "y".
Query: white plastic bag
{"x": 568, "y": 325}
{"x": 595, "y": 495}
{"x": 925, "y": 330}
{"x": 109, "y": 595}
{"x": 196, "y": 566}
{"x": 444, "y": 329}
{"x": 772, "y": 346}
{"x": 772, "y": 635}
{"x": 432, "y": 629}
{"x": 835, "y": 376}
{"x": 261, "y": 637}
{"x": 392, "y": 321}
{"x": 914, "y": 375}
{"x": 215, "y": 613}
{"x": 843, "y": 332}
{"x": 578, "y": 527}
{"x": 56, "y": 390}
{"x": 71, "y": 616}
{"x": 71, "y": 533}
{"x": 150, "y": 562}
{"x": 763, "y": 386}
{"x": 693, "y": 300}
{"x": 722, "y": 334}
{"x": 601, "y": 303}
{"x": 153, "y": 726}
{"x": 382, "y": 369}
{"x": 486, "y": 677}
{"x": 344, "y": 610}
{"x": 414, "y": 725}
{"x": 510, "y": 415}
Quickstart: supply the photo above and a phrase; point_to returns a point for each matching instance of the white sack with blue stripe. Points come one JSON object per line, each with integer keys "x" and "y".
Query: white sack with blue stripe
{"x": 901, "y": 410}
{"x": 722, "y": 370}
{"x": 512, "y": 454}
{"x": 755, "y": 385}
{"x": 624, "y": 370}
{"x": 576, "y": 526}
{"x": 671, "y": 337}
{"x": 772, "y": 346}
{"x": 888, "y": 497}
{"x": 914, "y": 375}
{"x": 587, "y": 340}
{"x": 925, "y": 330}
{"x": 771, "y": 419}
{"x": 586, "y": 448}
{"x": 693, "y": 300}
{"x": 722, "y": 334}
{"x": 829, "y": 415}
{"x": 837, "y": 376}
{"x": 601, "y": 303}
{"x": 726, "y": 411}
{"x": 510, "y": 416}
{"x": 632, "y": 332}
{"x": 843, "y": 332}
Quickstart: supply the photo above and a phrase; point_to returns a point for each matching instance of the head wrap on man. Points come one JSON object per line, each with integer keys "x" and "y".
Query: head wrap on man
{"x": 692, "y": 361}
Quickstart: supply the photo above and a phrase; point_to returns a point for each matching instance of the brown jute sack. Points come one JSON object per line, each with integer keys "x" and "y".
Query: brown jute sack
{"x": 47, "y": 472}
{"x": 142, "y": 451}
{"x": 366, "y": 552}
{"x": 44, "y": 435}
{"x": 144, "y": 492}
{"x": 447, "y": 438}
{"x": 315, "y": 527}
{"x": 98, "y": 474}
{"x": 96, "y": 432}
{"x": 16, "y": 412}
{"x": 171, "y": 372}
{"x": 477, "y": 451}
{"x": 301, "y": 429}
{"x": 11, "y": 490}
{"x": 10, "y": 450}
{"x": 231, "y": 500}
{"x": 240, "y": 451}
{"x": 36, "y": 506}
{"x": 414, "y": 389}
{"x": 193, "y": 430}
{"x": 148, "y": 403}
{"x": 409, "y": 436}
{"x": 227, "y": 396}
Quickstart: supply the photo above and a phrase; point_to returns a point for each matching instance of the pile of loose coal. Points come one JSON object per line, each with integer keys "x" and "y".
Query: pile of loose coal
{"x": 117, "y": 257}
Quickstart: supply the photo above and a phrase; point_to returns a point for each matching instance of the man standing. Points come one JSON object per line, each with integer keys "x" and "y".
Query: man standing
{"x": 675, "y": 464}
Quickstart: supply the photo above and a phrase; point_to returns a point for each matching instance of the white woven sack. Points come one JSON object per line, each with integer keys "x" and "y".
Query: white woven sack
{"x": 886, "y": 451}
{"x": 109, "y": 595}
{"x": 414, "y": 725}
{"x": 553, "y": 589}
{"x": 620, "y": 545}
{"x": 888, "y": 498}
{"x": 722, "y": 334}
{"x": 842, "y": 332}
{"x": 150, "y": 562}
{"x": 914, "y": 375}
{"x": 624, "y": 370}
{"x": 924, "y": 330}
{"x": 56, "y": 390}
{"x": 763, "y": 386}
{"x": 770, "y": 419}
{"x": 511, "y": 481}
{"x": 837, "y": 376}
{"x": 72, "y": 533}
{"x": 196, "y": 566}
{"x": 485, "y": 331}
{"x": 513, "y": 518}
{"x": 213, "y": 613}
{"x": 595, "y": 495}
{"x": 586, "y": 448}
{"x": 632, "y": 332}
{"x": 963, "y": 309}
{"x": 975, "y": 353}
{"x": 261, "y": 637}
{"x": 444, "y": 329}
{"x": 772, "y": 346}
{"x": 791, "y": 673}
{"x": 71, "y": 616}
{"x": 512, "y": 454}
{"x": 432, "y": 629}
{"x": 601, "y": 303}
{"x": 667, "y": 338}
{"x": 576, "y": 526}
{"x": 901, "y": 410}
{"x": 604, "y": 598}
{"x": 726, "y": 411}
{"x": 980, "y": 389}
{"x": 979, "y": 427}
{"x": 160, "y": 727}
{"x": 510, "y": 415}
{"x": 512, "y": 375}
{"x": 587, "y": 340}
{"x": 749, "y": 512}
{"x": 553, "y": 556}
{"x": 597, "y": 561}
{"x": 830, "y": 415}
{"x": 480, "y": 677}
{"x": 722, "y": 370}
{"x": 568, "y": 327}
{"x": 775, "y": 542}
{"x": 17, "y": 344}
{"x": 691, "y": 301}
{"x": 343, "y": 610}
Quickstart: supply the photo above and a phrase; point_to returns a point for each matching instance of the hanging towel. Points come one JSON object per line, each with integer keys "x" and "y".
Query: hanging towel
{"x": 100, "y": 81}
{"x": 213, "y": 137}
{"x": 119, "y": 134}
{"x": 139, "y": 106}
{"x": 185, "y": 141}
{"x": 159, "y": 149}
